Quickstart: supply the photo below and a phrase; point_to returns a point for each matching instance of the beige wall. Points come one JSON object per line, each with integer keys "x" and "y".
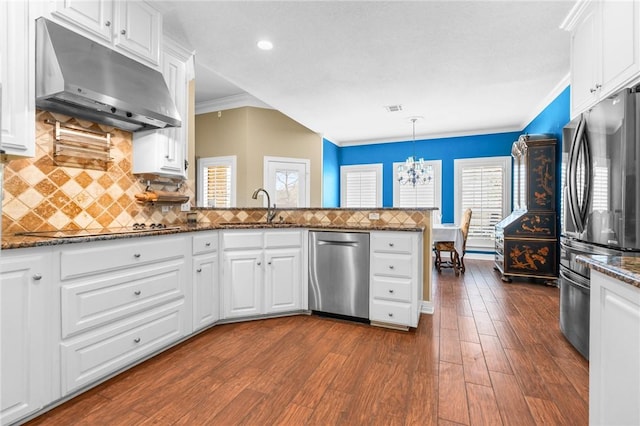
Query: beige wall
{"x": 251, "y": 134}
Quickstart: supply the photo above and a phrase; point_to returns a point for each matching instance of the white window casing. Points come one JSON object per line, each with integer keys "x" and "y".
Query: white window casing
{"x": 217, "y": 181}
{"x": 421, "y": 195}
{"x": 484, "y": 186}
{"x": 361, "y": 186}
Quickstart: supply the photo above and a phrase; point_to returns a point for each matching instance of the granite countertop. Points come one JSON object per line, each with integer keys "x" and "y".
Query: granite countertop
{"x": 24, "y": 241}
{"x": 623, "y": 268}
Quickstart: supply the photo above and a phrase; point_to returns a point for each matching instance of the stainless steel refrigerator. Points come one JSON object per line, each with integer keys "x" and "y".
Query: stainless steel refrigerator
{"x": 600, "y": 200}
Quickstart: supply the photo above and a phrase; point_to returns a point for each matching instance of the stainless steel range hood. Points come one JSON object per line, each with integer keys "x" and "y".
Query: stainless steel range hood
{"x": 78, "y": 77}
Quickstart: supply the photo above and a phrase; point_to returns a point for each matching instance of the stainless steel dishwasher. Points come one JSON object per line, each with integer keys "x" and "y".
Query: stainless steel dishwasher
{"x": 339, "y": 273}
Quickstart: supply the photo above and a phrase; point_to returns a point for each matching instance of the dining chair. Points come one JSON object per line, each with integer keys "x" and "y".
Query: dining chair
{"x": 456, "y": 259}
{"x": 464, "y": 227}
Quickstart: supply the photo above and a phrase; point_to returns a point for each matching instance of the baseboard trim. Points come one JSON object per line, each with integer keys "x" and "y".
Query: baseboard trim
{"x": 426, "y": 307}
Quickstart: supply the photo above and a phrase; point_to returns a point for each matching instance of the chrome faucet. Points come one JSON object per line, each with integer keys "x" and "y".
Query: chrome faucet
{"x": 271, "y": 213}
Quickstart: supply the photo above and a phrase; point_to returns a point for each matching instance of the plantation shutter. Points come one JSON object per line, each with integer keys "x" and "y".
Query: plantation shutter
{"x": 421, "y": 195}
{"x": 361, "y": 186}
{"x": 218, "y": 186}
{"x": 482, "y": 192}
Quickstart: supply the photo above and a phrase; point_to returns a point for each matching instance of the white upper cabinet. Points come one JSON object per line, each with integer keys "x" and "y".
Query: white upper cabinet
{"x": 17, "y": 76}
{"x": 131, "y": 27}
{"x": 164, "y": 152}
{"x": 605, "y": 50}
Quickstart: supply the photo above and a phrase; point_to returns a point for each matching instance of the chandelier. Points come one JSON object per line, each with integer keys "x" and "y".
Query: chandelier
{"x": 414, "y": 171}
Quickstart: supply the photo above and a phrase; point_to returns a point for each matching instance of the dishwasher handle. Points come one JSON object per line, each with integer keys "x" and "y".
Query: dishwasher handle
{"x": 337, "y": 243}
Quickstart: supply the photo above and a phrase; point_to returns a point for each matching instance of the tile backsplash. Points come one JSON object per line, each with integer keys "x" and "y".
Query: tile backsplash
{"x": 40, "y": 195}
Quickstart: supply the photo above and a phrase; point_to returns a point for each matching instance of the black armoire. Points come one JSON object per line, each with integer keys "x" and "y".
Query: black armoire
{"x": 527, "y": 240}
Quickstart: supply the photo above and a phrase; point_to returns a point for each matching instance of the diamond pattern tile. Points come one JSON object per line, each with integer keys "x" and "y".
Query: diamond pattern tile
{"x": 39, "y": 195}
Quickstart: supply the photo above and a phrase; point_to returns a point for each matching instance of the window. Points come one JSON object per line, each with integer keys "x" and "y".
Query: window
{"x": 484, "y": 186}
{"x": 421, "y": 195}
{"x": 217, "y": 182}
{"x": 286, "y": 179}
{"x": 361, "y": 186}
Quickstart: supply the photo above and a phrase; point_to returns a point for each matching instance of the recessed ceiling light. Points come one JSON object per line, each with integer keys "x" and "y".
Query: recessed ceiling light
{"x": 265, "y": 45}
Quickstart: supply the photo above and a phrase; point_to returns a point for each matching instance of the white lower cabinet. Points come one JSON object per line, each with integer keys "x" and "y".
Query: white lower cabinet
{"x": 263, "y": 272}
{"x": 205, "y": 281}
{"x": 396, "y": 278}
{"x": 614, "y": 352}
{"x": 26, "y": 313}
{"x": 120, "y": 301}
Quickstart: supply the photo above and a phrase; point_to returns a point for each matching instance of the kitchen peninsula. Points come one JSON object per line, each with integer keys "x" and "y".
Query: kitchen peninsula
{"x": 93, "y": 306}
{"x": 614, "y": 354}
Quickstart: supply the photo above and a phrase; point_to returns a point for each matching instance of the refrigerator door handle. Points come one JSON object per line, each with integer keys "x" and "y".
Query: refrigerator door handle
{"x": 586, "y": 189}
{"x": 572, "y": 181}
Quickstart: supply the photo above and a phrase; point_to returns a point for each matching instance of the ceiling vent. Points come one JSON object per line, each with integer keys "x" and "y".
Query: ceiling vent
{"x": 393, "y": 108}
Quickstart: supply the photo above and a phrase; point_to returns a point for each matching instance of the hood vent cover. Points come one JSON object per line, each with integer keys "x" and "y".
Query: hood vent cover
{"x": 78, "y": 77}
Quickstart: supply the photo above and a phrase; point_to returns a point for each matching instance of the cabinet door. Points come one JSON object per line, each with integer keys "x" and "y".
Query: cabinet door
{"x": 614, "y": 351}
{"x": 94, "y": 16}
{"x": 620, "y": 44}
{"x": 173, "y": 70}
{"x": 242, "y": 289}
{"x": 23, "y": 284}
{"x": 585, "y": 53}
{"x": 138, "y": 30}
{"x": 17, "y": 75}
{"x": 206, "y": 302}
{"x": 283, "y": 280}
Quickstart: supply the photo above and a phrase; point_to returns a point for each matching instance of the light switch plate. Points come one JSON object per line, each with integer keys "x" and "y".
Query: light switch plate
{"x": 374, "y": 216}
{"x": 165, "y": 209}
{"x": 185, "y": 207}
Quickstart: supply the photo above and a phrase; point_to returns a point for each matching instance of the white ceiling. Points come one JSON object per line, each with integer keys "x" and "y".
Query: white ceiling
{"x": 467, "y": 67}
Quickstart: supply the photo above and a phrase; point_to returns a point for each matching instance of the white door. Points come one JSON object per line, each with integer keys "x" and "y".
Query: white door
{"x": 287, "y": 180}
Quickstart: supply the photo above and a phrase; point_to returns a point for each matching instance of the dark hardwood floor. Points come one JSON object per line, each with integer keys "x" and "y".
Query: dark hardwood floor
{"x": 491, "y": 354}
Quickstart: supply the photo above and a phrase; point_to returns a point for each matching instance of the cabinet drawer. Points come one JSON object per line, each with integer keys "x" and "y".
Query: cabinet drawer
{"x": 394, "y": 265}
{"x": 390, "y": 312}
{"x": 106, "y": 256}
{"x": 391, "y": 242}
{"x": 398, "y": 289}
{"x": 205, "y": 243}
{"x": 283, "y": 239}
{"x": 91, "y": 357}
{"x": 95, "y": 302}
{"x": 232, "y": 240}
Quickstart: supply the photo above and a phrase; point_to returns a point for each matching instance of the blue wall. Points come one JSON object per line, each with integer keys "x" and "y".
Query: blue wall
{"x": 550, "y": 120}
{"x": 445, "y": 149}
{"x": 330, "y": 174}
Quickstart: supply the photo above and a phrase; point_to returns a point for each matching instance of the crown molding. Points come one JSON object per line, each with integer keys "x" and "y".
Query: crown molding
{"x": 427, "y": 136}
{"x": 554, "y": 93}
{"x": 230, "y": 102}
{"x": 571, "y": 20}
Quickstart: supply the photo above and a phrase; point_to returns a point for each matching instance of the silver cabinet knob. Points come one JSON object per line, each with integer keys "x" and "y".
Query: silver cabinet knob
{"x": 269, "y": 263}
{"x": 136, "y": 340}
{"x": 598, "y": 86}
{"x": 207, "y": 244}
{"x": 137, "y": 292}
{"x": 390, "y": 266}
{"x": 123, "y": 32}
{"x": 37, "y": 277}
{"x": 136, "y": 255}
{"x": 199, "y": 270}
{"x": 259, "y": 263}
{"x": 390, "y": 244}
{"x": 390, "y": 314}
{"x": 166, "y": 156}
{"x": 107, "y": 24}
{"x": 391, "y": 291}
{"x": 592, "y": 90}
